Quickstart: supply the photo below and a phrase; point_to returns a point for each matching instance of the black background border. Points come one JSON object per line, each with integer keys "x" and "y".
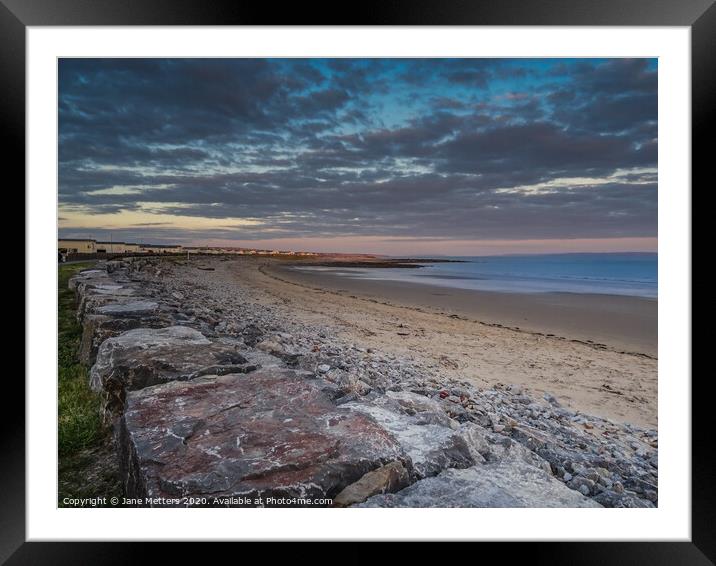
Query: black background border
{"x": 16, "y": 15}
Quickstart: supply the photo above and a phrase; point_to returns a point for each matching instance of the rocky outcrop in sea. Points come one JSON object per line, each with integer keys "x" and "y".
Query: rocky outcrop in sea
{"x": 216, "y": 399}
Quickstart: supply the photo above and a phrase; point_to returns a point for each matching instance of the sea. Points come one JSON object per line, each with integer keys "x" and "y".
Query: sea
{"x": 631, "y": 274}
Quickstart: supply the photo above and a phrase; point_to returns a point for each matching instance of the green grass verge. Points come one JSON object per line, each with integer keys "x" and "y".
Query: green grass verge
{"x": 79, "y": 425}
{"x": 86, "y": 466}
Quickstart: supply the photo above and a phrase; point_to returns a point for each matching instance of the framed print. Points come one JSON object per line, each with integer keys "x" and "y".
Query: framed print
{"x": 428, "y": 270}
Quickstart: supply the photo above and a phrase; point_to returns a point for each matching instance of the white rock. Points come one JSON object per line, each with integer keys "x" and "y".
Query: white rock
{"x": 507, "y": 484}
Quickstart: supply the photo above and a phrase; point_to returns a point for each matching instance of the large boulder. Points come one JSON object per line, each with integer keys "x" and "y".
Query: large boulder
{"x": 115, "y": 305}
{"x": 96, "y": 328}
{"x": 88, "y": 276}
{"x": 229, "y": 440}
{"x": 431, "y": 447}
{"x": 102, "y": 285}
{"x": 133, "y": 307}
{"x": 510, "y": 483}
{"x": 145, "y": 356}
{"x": 99, "y": 293}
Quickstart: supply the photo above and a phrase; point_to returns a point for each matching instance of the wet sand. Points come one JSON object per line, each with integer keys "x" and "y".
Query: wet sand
{"x": 620, "y": 322}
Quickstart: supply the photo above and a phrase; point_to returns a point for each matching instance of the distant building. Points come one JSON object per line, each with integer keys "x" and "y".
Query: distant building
{"x": 76, "y": 246}
{"x": 111, "y": 247}
{"x": 160, "y": 249}
{"x": 89, "y": 246}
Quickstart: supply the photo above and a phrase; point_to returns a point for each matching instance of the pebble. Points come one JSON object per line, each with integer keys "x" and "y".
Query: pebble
{"x": 551, "y": 399}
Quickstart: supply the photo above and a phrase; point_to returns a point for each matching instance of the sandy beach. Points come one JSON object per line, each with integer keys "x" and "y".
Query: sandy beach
{"x": 596, "y": 353}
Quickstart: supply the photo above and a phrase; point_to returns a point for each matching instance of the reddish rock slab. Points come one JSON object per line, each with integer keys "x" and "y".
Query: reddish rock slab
{"x": 228, "y": 440}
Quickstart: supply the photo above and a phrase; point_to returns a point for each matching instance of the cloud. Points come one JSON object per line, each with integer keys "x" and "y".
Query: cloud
{"x": 425, "y": 148}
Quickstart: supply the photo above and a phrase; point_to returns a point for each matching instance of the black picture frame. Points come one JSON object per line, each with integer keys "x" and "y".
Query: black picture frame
{"x": 699, "y": 15}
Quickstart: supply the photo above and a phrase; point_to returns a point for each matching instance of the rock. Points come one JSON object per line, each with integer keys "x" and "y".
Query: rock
{"x": 424, "y": 409}
{"x": 323, "y": 368}
{"x": 143, "y": 357}
{"x": 273, "y": 434}
{"x": 96, "y": 328}
{"x": 114, "y": 290}
{"x": 87, "y": 276}
{"x": 386, "y": 479}
{"x": 91, "y": 296}
{"x": 530, "y": 437}
{"x": 608, "y": 498}
{"x": 261, "y": 359}
{"x": 113, "y": 266}
{"x": 431, "y": 448}
{"x": 415, "y": 401}
{"x": 251, "y": 335}
{"x": 507, "y": 484}
{"x": 552, "y": 400}
{"x": 492, "y": 447}
{"x": 582, "y": 484}
{"x": 651, "y": 495}
{"x": 271, "y": 346}
{"x": 346, "y": 399}
{"x": 128, "y": 308}
{"x": 592, "y": 475}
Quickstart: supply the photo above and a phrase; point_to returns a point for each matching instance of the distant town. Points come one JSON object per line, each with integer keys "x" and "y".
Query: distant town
{"x": 86, "y": 246}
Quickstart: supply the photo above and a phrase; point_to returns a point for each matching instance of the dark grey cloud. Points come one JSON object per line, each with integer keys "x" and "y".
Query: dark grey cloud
{"x": 423, "y": 148}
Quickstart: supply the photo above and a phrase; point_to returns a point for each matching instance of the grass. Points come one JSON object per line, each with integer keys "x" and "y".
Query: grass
{"x": 86, "y": 466}
{"x": 79, "y": 426}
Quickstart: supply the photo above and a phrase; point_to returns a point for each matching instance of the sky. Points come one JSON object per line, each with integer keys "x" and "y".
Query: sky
{"x": 392, "y": 156}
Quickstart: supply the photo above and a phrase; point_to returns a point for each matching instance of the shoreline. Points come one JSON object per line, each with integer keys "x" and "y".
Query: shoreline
{"x": 588, "y": 377}
{"x": 626, "y": 324}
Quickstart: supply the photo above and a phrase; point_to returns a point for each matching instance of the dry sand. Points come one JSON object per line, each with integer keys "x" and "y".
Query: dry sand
{"x": 540, "y": 342}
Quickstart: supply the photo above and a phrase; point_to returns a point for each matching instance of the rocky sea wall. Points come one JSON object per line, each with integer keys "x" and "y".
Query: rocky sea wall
{"x": 215, "y": 401}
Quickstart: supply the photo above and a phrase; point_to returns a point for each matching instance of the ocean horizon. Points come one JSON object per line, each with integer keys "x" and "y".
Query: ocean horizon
{"x": 622, "y": 273}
